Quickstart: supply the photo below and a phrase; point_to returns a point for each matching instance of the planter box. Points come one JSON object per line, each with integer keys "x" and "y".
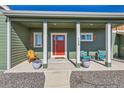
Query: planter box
{"x": 36, "y": 64}
{"x": 86, "y": 63}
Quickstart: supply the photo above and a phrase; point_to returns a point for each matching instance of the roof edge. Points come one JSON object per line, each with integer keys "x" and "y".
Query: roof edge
{"x": 63, "y": 14}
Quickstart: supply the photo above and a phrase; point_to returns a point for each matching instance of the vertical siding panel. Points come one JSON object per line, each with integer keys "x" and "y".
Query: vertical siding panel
{"x": 3, "y": 43}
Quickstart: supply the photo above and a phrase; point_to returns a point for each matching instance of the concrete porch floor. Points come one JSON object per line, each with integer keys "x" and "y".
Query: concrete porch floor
{"x": 66, "y": 65}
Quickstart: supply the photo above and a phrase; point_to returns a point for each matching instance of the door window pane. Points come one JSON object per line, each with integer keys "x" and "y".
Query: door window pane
{"x": 60, "y": 38}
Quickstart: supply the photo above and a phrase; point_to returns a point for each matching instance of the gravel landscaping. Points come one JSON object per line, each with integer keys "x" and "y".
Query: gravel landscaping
{"x": 22, "y": 80}
{"x": 97, "y": 79}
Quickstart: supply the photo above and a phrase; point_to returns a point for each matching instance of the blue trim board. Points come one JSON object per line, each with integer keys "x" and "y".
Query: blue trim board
{"x": 70, "y": 8}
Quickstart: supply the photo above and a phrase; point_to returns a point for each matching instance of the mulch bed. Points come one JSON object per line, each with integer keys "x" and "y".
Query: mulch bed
{"x": 22, "y": 80}
{"x": 97, "y": 79}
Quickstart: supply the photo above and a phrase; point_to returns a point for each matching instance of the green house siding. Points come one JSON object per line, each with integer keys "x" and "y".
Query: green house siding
{"x": 19, "y": 43}
{"x": 3, "y": 43}
{"x": 71, "y": 44}
{"x": 97, "y": 44}
{"x": 121, "y": 46}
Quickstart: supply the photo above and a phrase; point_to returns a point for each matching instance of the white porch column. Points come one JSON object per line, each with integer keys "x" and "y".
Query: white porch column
{"x": 78, "y": 44}
{"x": 45, "y": 63}
{"x": 8, "y": 43}
{"x": 108, "y": 44}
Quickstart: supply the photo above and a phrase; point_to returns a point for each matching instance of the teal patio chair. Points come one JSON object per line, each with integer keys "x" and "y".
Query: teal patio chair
{"x": 92, "y": 54}
{"x": 101, "y": 55}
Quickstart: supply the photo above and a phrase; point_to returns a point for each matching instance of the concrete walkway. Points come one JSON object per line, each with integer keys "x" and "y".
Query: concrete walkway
{"x": 57, "y": 79}
{"x": 57, "y": 75}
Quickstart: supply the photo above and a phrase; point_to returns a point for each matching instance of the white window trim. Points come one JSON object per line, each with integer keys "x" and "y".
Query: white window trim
{"x": 34, "y": 40}
{"x": 87, "y": 34}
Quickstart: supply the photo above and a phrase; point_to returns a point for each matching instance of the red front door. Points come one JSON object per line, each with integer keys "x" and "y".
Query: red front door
{"x": 58, "y": 45}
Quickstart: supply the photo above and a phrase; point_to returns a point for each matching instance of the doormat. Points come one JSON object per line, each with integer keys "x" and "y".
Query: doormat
{"x": 59, "y": 58}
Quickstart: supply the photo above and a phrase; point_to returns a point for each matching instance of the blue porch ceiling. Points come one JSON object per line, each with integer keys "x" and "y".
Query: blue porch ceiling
{"x": 71, "y": 8}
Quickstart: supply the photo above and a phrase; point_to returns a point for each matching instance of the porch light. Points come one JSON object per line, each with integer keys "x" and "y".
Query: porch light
{"x": 54, "y": 24}
{"x": 91, "y": 24}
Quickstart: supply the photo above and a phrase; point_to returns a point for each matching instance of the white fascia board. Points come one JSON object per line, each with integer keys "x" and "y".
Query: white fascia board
{"x": 118, "y": 31}
{"x": 114, "y": 31}
{"x": 64, "y": 14}
{"x": 121, "y": 32}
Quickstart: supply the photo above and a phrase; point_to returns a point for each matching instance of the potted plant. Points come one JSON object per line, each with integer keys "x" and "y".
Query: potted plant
{"x": 36, "y": 64}
{"x": 86, "y": 63}
{"x": 32, "y": 57}
{"x": 85, "y": 58}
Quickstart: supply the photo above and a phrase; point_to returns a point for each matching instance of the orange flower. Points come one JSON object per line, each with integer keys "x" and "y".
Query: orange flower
{"x": 31, "y": 55}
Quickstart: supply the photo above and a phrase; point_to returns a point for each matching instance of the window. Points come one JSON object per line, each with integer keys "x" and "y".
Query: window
{"x": 37, "y": 39}
{"x": 59, "y": 37}
{"x": 86, "y": 36}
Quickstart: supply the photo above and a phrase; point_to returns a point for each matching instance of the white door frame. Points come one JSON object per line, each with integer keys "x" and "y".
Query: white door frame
{"x": 65, "y": 56}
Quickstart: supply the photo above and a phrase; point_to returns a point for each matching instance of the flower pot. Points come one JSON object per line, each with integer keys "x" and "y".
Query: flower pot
{"x": 36, "y": 64}
{"x": 86, "y": 63}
